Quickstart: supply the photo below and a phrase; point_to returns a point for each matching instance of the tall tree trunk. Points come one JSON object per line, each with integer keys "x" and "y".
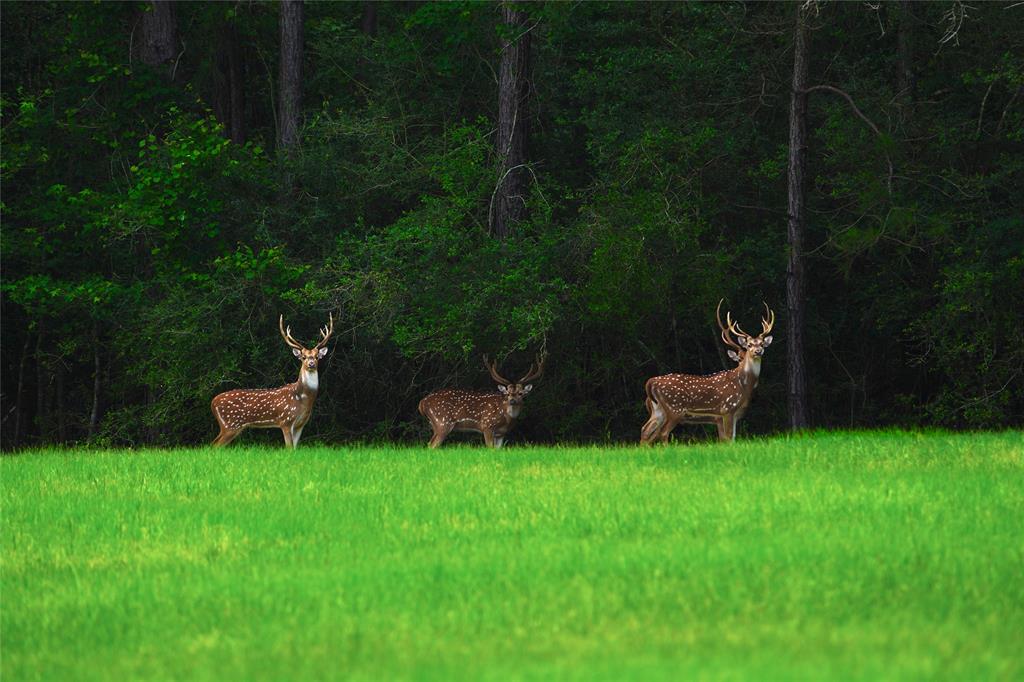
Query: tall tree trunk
{"x": 62, "y": 423}
{"x": 19, "y": 405}
{"x": 230, "y": 96}
{"x": 795, "y": 285}
{"x": 907, "y": 81}
{"x": 290, "y": 78}
{"x": 369, "y": 23}
{"x": 94, "y": 414}
{"x": 157, "y": 36}
{"x": 41, "y": 385}
{"x": 152, "y": 432}
{"x": 513, "y": 114}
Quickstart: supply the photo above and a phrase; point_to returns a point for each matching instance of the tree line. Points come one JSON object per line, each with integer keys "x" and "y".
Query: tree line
{"x": 461, "y": 178}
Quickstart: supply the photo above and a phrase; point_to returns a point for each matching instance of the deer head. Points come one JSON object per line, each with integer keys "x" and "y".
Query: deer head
{"x": 310, "y": 357}
{"x": 745, "y": 346}
{"x": 515, "y": 391}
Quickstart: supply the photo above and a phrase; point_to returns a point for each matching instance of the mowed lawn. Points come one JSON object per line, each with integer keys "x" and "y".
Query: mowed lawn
{"x": 828, "y": 556}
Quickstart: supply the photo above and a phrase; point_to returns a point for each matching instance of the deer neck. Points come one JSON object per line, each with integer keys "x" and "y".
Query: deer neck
{"x": 748, "y": 372}
{"x": 309, "y": 382}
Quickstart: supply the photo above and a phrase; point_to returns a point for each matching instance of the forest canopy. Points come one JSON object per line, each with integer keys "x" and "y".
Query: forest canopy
{"x": 459, "y": 178}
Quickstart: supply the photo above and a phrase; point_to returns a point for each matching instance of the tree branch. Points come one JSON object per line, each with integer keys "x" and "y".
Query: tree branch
{"x": 981, "y": 114}
{"x": 1013, "y": 98}
{"x": 860, "y": 114}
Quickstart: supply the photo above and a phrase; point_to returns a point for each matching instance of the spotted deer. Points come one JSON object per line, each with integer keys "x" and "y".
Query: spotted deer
{"x": 721, "y": 399}
{"x": 490, "y": 414}
{"x": 287, "y": 408}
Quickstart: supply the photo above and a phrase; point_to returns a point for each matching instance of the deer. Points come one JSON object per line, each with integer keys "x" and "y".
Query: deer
{"x": 721, "y": 398}
{"x": 490, "y": 414}
{"x": 287, "y": 408}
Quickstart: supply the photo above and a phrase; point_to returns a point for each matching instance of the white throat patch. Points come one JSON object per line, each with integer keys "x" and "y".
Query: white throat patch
{"x": 310, "y": 379}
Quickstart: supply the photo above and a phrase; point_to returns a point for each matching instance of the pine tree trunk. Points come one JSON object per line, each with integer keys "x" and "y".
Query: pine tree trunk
{"x": 157, "y": 37}
{"x": 151, "y": 433}
{"x": 369, "y": 23}
{"x": 94, "y": 414}
{"x": 290, "y": 75}
{"x": 42, "y": 385}
{"x": 230, "y": 96}
{"x": 907, "y": 80}
{"x": 795, "y": 285}
{"x": 62, "y": 422}
{"x": 513, "y": 116}
{"x": 20, "y": 398}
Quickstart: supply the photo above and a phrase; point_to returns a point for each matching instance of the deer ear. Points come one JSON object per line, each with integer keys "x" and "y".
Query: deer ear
{"x": 733, "y": 355}
{"x": 502, "y": 389}
{"x": 766, "y": 341}
{"x": 322, "y": 353}
{"x": 527, "y": 388}
{"x": 742, "y": 340}
{"x": 296, "y": 352}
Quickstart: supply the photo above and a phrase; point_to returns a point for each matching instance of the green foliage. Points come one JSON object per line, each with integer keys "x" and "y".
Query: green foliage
{"x": 137, "y": 236}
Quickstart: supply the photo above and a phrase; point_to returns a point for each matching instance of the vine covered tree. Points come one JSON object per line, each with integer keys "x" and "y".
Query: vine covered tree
{"x": 513, "y": 119}
{"x": 290, "y": 73}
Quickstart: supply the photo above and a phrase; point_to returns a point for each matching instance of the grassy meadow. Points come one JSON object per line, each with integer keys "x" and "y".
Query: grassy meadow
{"x": 827, "y": 556}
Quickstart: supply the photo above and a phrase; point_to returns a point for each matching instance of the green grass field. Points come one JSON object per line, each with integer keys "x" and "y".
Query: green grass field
{"x": 829, "y": 556}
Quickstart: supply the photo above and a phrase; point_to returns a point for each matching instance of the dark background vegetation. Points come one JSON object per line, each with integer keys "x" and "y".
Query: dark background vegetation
{"x": 159, "y": 212}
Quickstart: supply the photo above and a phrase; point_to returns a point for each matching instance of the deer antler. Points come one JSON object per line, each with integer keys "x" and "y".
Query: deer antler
{"x": 735, "y": 328}
{"x": 725, "y": 331}
{"x": 492, "y": 367}
{"x": 287, "y": 335}
{"x": 325, "y": 332}
{"x": 769, "y": 322}
{"x": 766, "y": 324}
{"x": 535, "y": 369}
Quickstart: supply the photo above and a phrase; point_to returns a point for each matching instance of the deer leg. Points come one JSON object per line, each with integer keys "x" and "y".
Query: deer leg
{"x": 647, "y": 424}
{"x": 488, "y": 438}
{"x": 287, "y": 431}
{"x": 654, "y": 422}
{"x": 720, "y": 425}
{"x": 440, "y": 433}
{"x": 499, "y": 441}
{"x": 225, "y": 436}
{"x": 727, "y": 428}
{"x": 666, "y": 429}
{"x": 221, "y": 438}
{"x": 646, "y": 431}
{"x": 296, "y": 435}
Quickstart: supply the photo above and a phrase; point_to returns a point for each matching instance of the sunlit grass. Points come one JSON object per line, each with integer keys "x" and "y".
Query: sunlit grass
{"x": 832, "y": 555}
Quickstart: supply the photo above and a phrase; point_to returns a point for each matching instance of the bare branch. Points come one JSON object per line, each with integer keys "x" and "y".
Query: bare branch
{"x": 955, "y": 18}
{"x": 875, "y": 8}
{"x": 1016, "y": 94}
{"x": 981, "y": 114}
{"x": 811, "y": 5}
{"x": 860, "y": 114}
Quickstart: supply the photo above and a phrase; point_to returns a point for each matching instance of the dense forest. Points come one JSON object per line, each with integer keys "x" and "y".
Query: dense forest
{"x": 460, "y": 178}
